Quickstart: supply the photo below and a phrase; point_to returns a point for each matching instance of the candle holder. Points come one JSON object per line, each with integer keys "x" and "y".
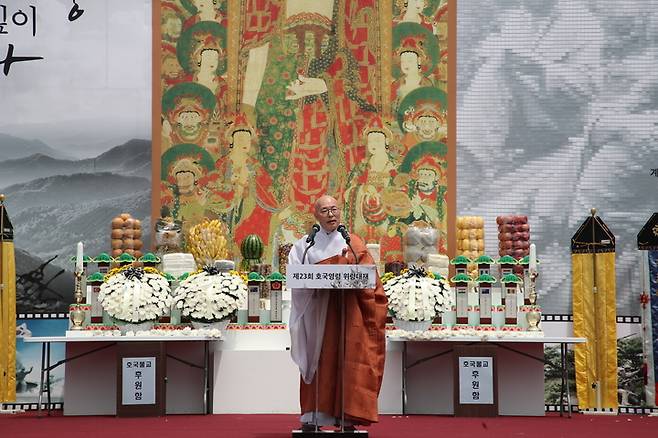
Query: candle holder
{"x": 533, "y": 316}
{"x": 77, "y": 315}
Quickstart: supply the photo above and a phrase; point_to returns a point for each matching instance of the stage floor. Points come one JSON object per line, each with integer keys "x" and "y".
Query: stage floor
{"x": 279, "y": 426}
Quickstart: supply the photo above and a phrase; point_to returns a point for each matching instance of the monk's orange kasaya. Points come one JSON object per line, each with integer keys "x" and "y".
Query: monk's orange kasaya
{"x": 365, "y": 345}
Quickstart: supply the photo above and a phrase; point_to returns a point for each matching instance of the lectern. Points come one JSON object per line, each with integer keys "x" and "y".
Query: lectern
{"x": 332, "y": 279}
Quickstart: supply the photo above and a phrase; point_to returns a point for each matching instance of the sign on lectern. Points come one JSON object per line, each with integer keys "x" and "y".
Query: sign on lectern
{"x": 331, "y": 276}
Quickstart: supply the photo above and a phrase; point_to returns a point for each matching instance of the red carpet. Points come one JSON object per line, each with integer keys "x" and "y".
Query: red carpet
{"x": 279, "y": 426}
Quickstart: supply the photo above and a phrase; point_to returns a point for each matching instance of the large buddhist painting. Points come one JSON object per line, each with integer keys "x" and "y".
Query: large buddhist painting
{"x": 268, "y": 104}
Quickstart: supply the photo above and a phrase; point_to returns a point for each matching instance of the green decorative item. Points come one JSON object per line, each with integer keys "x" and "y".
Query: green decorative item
{"x": 96, "y": 278}
{"x": 461, "y": 278}
{"x": 125, "y": 259}
{"x": 511, "y": 278}
{"x": 484, "y": 260}
{"x": 507, "y": 260}
{"x": 460, "y": 260}
{"x": 103, "y": 259}
{"x": 149, "y": 259}
{"x": 486, "y": 278}
{"x": 255, "y": 276}
{"x": 252, "y": 251}
{"x": 276, "y": 276}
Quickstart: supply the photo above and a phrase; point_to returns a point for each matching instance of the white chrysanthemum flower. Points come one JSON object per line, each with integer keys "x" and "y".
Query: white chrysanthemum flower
{"x": 414, "y": 297}
{"x": 135, "y": 296}
{"x": 210, "y": 297}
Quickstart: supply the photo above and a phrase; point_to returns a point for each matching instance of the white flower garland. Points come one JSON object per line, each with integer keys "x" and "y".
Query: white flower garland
{"x": 463, "y": 333}
{"x": 413, "y": 296}
{"x": 134, "y": 295}
{"x": 211, "y": 297}
{"x": 186, "y": 332}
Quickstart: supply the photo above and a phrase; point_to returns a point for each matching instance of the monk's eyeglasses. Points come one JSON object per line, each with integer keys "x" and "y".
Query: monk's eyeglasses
{"x": 325, "y": 211}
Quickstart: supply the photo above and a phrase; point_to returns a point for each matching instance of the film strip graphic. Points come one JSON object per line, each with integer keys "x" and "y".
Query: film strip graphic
{"x": 553, "y": 317}
{"x": 55, "y": 406}
{"x": 42, "y": 315}
{"x": 563, "y": 317}
{"x": 556, "y": 408}
{"x": 633, "y": 410}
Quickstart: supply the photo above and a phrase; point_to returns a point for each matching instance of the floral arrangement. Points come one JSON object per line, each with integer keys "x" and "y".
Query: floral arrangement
{"x": 415, "y": 295}
{"x": 506, "y": 332}
{"x": 180, "y": 332}
{"x": 209, "y": 295}
{"x": 135, "y": 295}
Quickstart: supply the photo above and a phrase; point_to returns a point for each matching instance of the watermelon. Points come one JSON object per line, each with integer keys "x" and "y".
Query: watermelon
{"x": 252, "y": 247}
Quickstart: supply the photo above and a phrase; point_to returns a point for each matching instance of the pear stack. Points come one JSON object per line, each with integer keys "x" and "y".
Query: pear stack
{"x": 126, "y": 236}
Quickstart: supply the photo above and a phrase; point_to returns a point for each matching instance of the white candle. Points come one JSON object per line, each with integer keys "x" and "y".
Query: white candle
{"x": 78, "y": 259}
{"x": 532, "y": 265}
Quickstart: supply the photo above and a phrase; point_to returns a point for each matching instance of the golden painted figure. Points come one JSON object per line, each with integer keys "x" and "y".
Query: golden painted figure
{"x": 309, "y": 79}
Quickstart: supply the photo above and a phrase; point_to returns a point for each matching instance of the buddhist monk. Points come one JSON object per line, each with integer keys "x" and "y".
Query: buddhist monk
{"x": 315, "y": 332}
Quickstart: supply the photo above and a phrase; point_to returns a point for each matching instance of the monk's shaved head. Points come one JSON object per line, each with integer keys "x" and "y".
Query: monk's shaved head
{"x": 324, "y": 199}
{"x": 327, "y": 212}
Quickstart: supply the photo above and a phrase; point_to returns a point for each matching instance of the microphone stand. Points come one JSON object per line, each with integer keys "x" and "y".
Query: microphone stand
{"x": 356, "y": 259}
{"x": 343, "y": 340}
{"x": 306, "y": 250}
{"x": 317, "y": 370}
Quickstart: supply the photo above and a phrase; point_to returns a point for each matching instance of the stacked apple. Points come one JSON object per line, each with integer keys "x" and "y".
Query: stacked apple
{"x": 513, "y": 236}
{"x": 126, "y": 236}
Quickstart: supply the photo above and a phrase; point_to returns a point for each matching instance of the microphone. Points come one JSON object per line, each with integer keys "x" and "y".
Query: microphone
{"x": 343, "y": 232}
{"x": 346, "y": 235}
{"x": 311, "y": 235}
{"x": 310, "y": 240}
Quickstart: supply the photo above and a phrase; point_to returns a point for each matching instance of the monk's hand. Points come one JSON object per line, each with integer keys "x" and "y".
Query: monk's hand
{"x": 347, "y": 253}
